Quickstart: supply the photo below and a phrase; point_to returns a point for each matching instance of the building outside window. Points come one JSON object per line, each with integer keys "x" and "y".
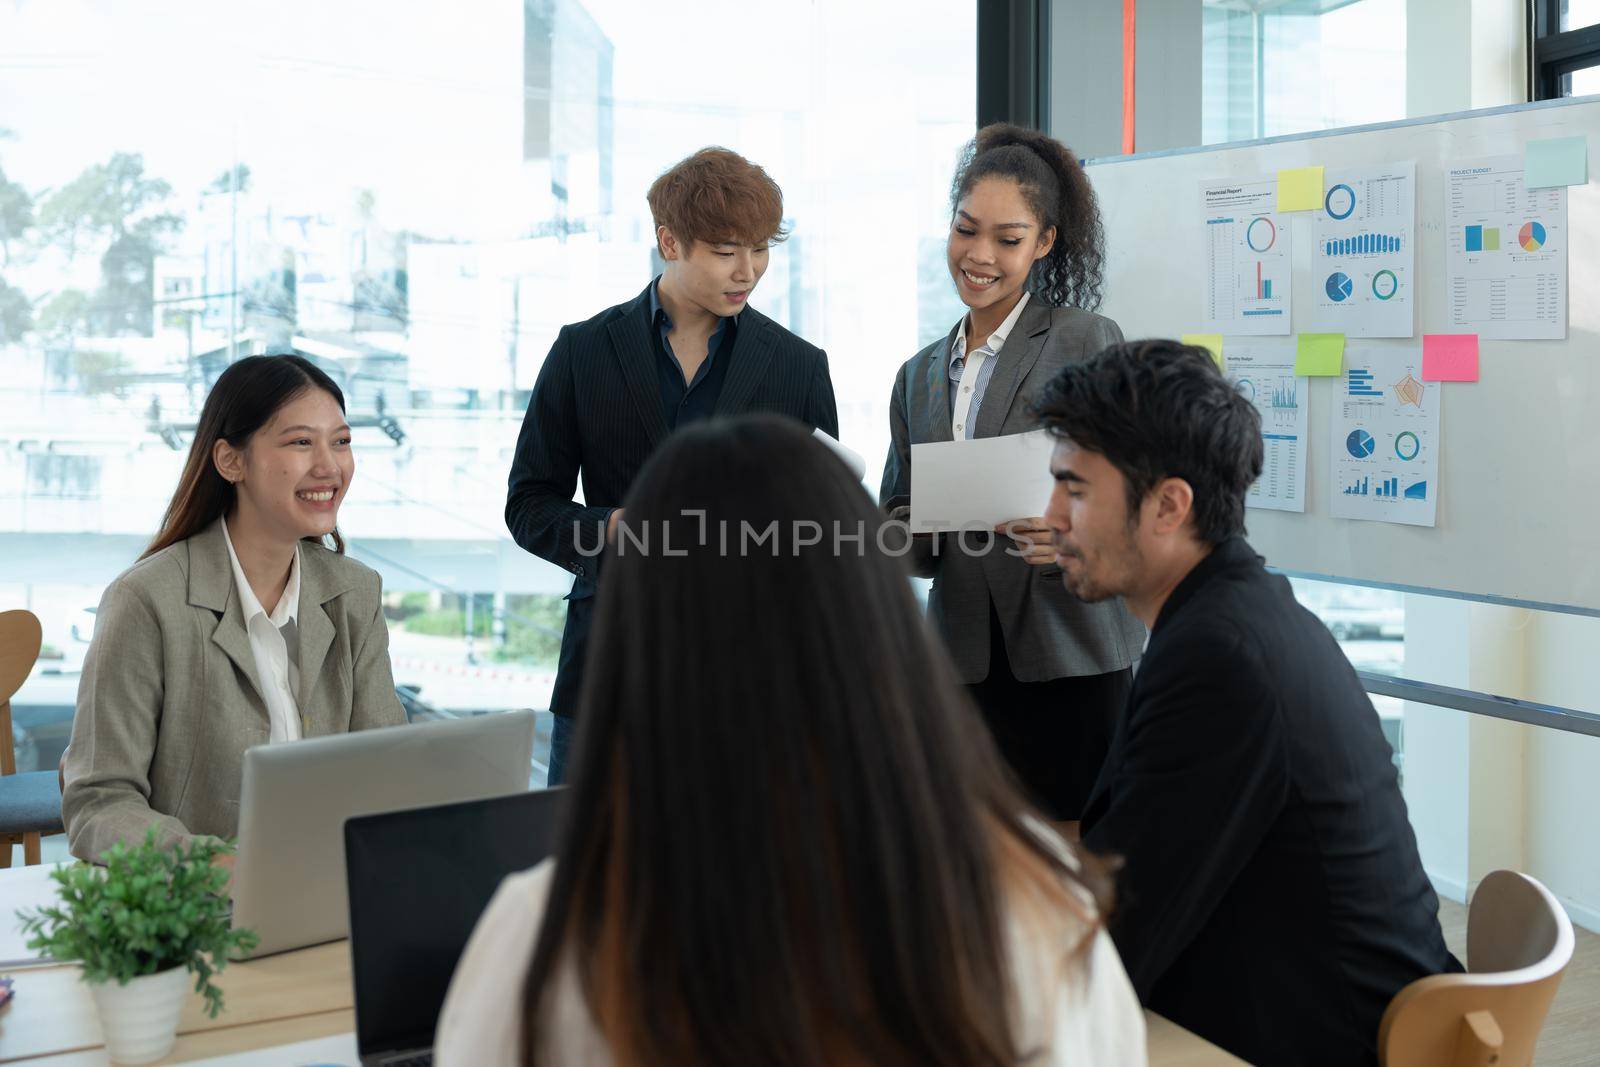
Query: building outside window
{"x": 1273, "y": 67}
{"x": 417, "y": 202}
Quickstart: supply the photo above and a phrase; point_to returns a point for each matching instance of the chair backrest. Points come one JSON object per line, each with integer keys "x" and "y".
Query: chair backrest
{"x": 1519, "y": 942}
{"x": 20, "y": 640}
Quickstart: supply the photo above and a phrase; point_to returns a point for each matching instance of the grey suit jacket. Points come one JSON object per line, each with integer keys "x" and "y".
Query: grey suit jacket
{"x": 169, "y": 698}
{"x": 1049, "y": 633}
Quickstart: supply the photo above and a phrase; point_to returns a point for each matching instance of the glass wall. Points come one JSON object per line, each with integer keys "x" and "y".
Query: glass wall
{"x": 417, "y": 198}
{"x": 1298, "y": 65}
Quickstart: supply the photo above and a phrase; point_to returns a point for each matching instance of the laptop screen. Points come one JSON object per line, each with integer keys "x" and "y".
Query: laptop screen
{"x": 418, "y": 881}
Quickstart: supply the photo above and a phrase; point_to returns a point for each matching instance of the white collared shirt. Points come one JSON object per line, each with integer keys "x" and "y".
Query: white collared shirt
{"x": 973, "y": 381}
{"x": 275, "y": 666}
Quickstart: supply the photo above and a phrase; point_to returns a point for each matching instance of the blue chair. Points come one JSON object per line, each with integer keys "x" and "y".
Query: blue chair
{"x": 30, "y": 803}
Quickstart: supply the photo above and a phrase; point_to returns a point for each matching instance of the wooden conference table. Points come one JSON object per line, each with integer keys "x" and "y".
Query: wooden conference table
{"x": 294, "y": 996}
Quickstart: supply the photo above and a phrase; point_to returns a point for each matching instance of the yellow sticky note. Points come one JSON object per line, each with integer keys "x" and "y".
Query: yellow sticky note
{"x": 1209, "y": 341}
{"x": 1300, "y": 189}
{"x": 1319, "y": 355}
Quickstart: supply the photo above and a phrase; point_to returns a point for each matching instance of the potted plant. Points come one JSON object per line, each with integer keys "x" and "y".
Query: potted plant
{"x": 138, "y": 926}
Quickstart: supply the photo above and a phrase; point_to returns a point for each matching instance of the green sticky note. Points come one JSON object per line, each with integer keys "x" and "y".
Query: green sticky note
{"x": 1210, "y": 341}
{"x": 1556, "y": 161}
{"x": 1300, "y": 189}
{"x": 1319, "y": 355}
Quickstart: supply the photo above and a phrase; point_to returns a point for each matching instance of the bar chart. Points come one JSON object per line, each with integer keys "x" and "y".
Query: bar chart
{"x": 1363, "y": 244}
{"x": 1482, "y": 238}
{"x": 1286, "y": 394}
{"x": 1359, "y": 383}
{"x": 1263, "y": 285}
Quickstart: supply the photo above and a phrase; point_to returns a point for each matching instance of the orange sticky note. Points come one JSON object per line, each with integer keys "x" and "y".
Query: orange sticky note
{"x": 1449, "y": 357}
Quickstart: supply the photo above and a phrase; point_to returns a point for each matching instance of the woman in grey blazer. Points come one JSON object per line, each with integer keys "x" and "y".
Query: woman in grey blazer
{"x": 1049, "y": 672}
{"x": 188, "y": 667}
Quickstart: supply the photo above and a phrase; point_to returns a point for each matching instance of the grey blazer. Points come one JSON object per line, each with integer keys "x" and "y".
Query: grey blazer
{"x": 1049, "y": 633}
{"x": 169, "y": 698}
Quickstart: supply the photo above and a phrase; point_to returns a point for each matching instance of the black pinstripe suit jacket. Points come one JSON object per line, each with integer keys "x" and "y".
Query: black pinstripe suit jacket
{"x": 596, "y": 413}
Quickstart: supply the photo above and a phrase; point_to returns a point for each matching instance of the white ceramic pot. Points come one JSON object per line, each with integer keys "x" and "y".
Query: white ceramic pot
{"x": 140, "y": 1019}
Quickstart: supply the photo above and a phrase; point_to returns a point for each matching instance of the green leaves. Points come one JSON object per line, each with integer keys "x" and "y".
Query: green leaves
{"x": 148, "y": 909}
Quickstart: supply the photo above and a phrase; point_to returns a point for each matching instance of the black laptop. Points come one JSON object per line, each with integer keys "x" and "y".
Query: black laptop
{"x": 418, "y": 880}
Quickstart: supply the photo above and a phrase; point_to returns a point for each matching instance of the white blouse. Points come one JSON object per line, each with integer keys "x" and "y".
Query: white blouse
{"x": 1072, "y": 1010}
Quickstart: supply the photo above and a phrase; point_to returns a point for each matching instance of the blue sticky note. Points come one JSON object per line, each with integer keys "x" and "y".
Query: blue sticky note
{"x": 1556, "y": 161}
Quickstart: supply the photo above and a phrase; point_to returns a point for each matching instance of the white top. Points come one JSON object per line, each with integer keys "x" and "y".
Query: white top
{"x": 1071, "y": 1011}
{"x": 275, "y": 667}
{"x": 972, "y": 369}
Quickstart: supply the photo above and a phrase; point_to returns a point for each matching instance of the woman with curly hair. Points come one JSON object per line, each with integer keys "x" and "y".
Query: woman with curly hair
{"x": 1050, "y": 673}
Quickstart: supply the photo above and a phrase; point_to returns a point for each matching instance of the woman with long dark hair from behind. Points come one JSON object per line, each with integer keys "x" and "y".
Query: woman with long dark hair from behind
{"x": 788, "y": 841}
{"x": 1049, "y": 672}
{"x": 189, "y": 665}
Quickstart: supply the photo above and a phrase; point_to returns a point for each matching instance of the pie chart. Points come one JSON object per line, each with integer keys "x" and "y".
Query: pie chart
{"x": 1384, "y": 284}
{"x": 1339, "y": 286}
{"x": 1531, "y": 236}
{"x": 1359, "y": 444}
{"x": 1406, "y": 446}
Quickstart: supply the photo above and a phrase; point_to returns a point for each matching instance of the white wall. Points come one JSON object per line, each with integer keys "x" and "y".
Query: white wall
{"x": 1562, "y": 770}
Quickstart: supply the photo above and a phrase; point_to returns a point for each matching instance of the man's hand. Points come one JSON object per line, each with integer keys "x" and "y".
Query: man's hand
{"x": 611, "y": 526}
{"x": 1032, "y": 538}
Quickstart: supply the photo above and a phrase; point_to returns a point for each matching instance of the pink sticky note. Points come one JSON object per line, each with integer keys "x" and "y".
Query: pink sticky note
{"x": 1449, "y": 357}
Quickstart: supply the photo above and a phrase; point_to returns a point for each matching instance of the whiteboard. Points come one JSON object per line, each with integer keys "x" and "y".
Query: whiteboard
{"x": 1519, "y": 501}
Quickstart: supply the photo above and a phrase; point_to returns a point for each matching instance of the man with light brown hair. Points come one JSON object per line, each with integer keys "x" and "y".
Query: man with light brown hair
{"x": 613, "y": 387}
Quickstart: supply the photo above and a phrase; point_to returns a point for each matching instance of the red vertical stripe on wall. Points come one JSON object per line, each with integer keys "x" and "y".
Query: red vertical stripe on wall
{"x": 1129, "y": 22}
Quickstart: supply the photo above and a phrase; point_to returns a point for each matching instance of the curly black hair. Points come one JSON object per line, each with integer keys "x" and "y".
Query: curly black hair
{"x": 1159, "y": 409}
{"x": 1059, "y": 194}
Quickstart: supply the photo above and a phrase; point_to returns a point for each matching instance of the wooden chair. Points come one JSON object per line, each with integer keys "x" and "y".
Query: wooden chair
{"x": 30, "y": 803}
{"x": 1519, "y": 942}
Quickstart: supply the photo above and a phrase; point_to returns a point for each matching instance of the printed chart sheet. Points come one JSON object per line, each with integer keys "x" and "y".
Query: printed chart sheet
{"x": 1385, "y": 438}
{"x": 1505, "y": 252}
{"x": 1246, "y": 245}
{"x": 1263, "y": 372}
{"x": 1364, "y": 257}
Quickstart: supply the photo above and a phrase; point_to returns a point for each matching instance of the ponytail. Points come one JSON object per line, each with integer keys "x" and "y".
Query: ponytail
{"x": 1059, "y": 195}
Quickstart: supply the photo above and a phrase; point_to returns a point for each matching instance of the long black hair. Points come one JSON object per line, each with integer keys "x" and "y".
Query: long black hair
{"x": 243, "y": 400}
{"x": 1058, "y": 193}
{"x": 787, "y": 834}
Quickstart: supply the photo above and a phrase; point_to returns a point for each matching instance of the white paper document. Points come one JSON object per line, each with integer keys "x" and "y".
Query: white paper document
{"x": 1364, "y": 256}
{"x": 857, "y": 465}
{"x": 1263, "y": 372}
{"x": 27, "y": 888}
{"x": 1505, "y": 252}
{"x": 1246, "y": 248}
{"x": 979, "y": 483}
{"x": 1385, "y": 438}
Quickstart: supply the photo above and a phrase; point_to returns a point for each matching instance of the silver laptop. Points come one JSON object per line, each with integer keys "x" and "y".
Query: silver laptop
{"x": 289, "y": 877}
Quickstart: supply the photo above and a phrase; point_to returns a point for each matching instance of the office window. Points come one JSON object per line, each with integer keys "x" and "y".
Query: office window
{"x": 417, "y": 198}
{"x": 1564, "y": 48}
{"x": 1576, "y": 14}
{"x": 1281, "y": 68}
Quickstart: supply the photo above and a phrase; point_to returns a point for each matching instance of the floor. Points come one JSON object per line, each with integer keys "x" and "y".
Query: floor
{"x": 1571, "y": 1036}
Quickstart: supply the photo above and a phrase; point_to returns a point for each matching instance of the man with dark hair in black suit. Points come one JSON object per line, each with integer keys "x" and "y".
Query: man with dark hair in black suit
{"x": 614, "y": 387}
{"x": 1273, "y": 900}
